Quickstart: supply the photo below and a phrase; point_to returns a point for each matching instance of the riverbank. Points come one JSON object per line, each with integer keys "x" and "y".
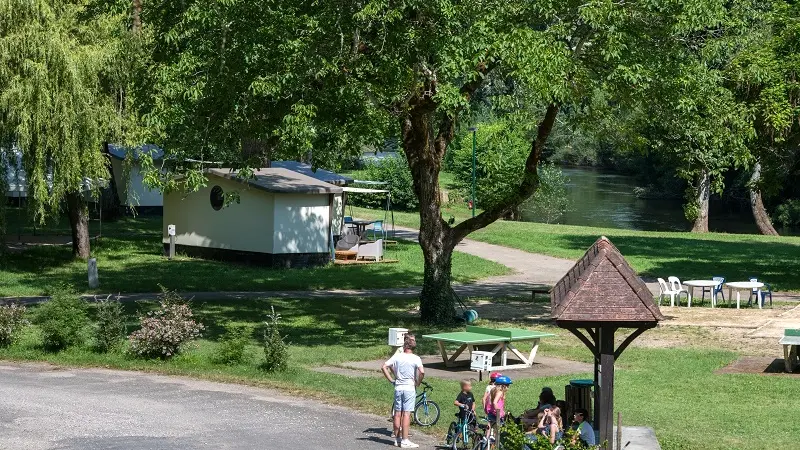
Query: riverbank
{"x": 776, "y": 260}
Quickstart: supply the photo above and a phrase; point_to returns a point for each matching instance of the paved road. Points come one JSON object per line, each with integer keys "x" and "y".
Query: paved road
{"x": 46, "y": 408}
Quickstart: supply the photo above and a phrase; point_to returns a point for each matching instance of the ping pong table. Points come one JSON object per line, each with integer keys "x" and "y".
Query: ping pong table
{"x": 496, "y": 340}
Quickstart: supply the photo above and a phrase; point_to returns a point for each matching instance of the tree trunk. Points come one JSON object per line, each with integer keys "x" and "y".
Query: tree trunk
{"x": 109, "y": 197}
{"x": 137, "y": 15}
{"x": 424, "y": 153}
{"x": 79, "y": 223}
{"x": 757, "y": 205}
{"x": 703, "y": 194}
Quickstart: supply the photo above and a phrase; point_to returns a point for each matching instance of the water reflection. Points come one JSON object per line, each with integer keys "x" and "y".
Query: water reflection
{"x": 607, "y": 200}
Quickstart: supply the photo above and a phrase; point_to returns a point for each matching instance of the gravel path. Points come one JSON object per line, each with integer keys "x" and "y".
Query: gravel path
{"x": 43, "y": 407}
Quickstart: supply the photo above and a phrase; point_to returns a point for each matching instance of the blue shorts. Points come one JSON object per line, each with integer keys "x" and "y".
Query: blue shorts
{"x": 404, "y": 400}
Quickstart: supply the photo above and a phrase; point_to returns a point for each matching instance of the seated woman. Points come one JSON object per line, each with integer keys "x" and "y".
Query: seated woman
{"x": 546, "y": 401}
{"x": 550, "y": 425}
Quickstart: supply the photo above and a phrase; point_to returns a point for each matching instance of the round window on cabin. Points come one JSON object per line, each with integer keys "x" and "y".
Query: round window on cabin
{"x": 217, "y": 198}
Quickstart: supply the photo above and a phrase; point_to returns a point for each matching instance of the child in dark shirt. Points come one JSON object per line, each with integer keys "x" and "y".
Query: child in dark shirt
{"x": 465, "y": 400}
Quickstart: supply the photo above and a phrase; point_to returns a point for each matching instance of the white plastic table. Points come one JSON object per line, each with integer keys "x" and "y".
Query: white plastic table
{"x": 740, "y": 286}
{"x": 702, "y": 284}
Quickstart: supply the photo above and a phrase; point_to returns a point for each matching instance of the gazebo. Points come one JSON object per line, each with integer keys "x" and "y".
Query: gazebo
{"x": 600, "y": 295}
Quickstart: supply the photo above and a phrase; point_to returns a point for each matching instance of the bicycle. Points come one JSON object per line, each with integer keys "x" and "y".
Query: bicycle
{"x": 426, "y": 412}
{"x": 482, "y": 439}
{"x": 462, "y": 434}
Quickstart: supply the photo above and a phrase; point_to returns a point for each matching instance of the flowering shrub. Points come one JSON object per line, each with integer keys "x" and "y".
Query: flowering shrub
{"x": 165, "y": 331}
{"x": 12, "y": 319}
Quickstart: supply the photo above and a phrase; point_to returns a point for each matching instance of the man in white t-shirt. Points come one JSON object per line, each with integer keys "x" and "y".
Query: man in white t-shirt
{"x": 405, "y": 371}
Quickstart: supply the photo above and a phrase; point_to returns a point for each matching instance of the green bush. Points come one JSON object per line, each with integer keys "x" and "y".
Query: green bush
{"x": 12, "y": 319}
{"x": 110, "y": 329}
{"x": 512, "y": 437}
{"x": 232, "y": 347}
{"x": 550, "y": 201}
{"x": 501, "y": 152}
{"x": 63, "y": 319}
{"x": 276, "y": 350}
{"x": 395, "y": 171}
{"x": 166, "y": 331}
{"x": 787, "y": 214}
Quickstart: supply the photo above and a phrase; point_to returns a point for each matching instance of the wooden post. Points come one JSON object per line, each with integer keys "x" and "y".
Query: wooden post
{"x": 171, "y": 233}
{"x": 94, "y": 280}
{"x": 605, "y": 405}
{"x": 595, "y": 415}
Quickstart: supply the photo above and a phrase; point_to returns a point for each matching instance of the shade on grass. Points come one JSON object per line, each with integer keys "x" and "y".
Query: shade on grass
{"x": 673, "y": 390}
{"x": 130, "y": 259}
{"x": 652, "y": 254}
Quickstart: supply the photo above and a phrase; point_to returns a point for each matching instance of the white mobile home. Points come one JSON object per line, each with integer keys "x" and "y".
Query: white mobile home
{"x": 282, "y": 218}
{"x": 133, "y": 192}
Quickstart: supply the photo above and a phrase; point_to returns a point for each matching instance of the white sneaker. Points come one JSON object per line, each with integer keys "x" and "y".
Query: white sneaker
{"x": 396, "y": 441}
{"x": 408, "y": 444}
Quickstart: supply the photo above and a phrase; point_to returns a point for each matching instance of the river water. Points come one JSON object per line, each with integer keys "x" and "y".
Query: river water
{"x": 601, "y": 199}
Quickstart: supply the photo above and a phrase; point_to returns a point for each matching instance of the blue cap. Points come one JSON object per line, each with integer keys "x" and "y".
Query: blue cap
{"x": 503, "y": 381}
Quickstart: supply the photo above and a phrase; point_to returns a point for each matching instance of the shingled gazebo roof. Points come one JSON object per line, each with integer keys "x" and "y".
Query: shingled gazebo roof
{"x": 603, "y": 288}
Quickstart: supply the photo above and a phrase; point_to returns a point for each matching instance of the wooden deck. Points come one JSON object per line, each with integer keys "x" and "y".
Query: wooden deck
{"x": 350, "y": 262}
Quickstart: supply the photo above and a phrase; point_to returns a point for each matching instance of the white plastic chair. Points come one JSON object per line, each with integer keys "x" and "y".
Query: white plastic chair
{"x": 676, "y": 285}
{"x": 373, "y": 250}
{"x": 666, "y": 290}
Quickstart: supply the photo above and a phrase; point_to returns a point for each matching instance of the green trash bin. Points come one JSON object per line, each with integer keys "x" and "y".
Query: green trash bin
{"x": 578, "y": 394}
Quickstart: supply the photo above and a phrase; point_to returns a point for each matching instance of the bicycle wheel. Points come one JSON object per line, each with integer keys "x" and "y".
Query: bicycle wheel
{"x": 480, "y": 443}
{"x": 426, "y": 414}
{"x": 460, "y": 443}
{"x": 451, "y": 434}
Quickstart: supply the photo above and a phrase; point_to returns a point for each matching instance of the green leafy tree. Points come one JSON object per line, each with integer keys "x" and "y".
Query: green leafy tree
{"x": 242, "y": 83}
{"x": 763, "y": 77}
{"x": 501, "y": 149}
{"x": 700, "y": 124}
{"x": 425, "y": 63}
{"x": 59, "y": 100}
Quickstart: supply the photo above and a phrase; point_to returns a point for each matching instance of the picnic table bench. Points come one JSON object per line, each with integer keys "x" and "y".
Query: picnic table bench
{"x": 791, "y": 348}
{"x": 498, "y": 341}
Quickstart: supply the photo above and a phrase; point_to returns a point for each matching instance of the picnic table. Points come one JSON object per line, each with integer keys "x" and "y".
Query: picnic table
{"x": 702, "y": 284}
{"x": 739, "y": 286}
{"x": 791, "y": 349}
{"x": 498, "y": 341}
{"x": 361, "y": 225}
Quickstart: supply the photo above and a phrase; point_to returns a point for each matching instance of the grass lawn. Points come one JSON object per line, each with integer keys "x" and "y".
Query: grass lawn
{"x": 673, "y": 390}
{"x": 129, "y": 259}
{"x": 776, "y": 260}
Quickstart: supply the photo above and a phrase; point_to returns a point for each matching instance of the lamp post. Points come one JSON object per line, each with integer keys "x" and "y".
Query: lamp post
{"x": 474, "y": 144}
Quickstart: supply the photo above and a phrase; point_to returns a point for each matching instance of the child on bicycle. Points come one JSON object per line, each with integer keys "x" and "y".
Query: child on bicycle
{"x": 465, "y": 401}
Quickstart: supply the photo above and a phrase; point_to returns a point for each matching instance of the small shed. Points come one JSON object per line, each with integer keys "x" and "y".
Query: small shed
{"x": 320, "y": 174}
{"x": 279, "y": 218}
{"x": 328, "y": 177}
{"x": 600, "y": 295}
{"x": 132, "y": 192}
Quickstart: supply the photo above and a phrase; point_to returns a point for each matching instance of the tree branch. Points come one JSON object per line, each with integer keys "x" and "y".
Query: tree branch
{"x": 526, "y": 188}
{"x": 448, "y": 124}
